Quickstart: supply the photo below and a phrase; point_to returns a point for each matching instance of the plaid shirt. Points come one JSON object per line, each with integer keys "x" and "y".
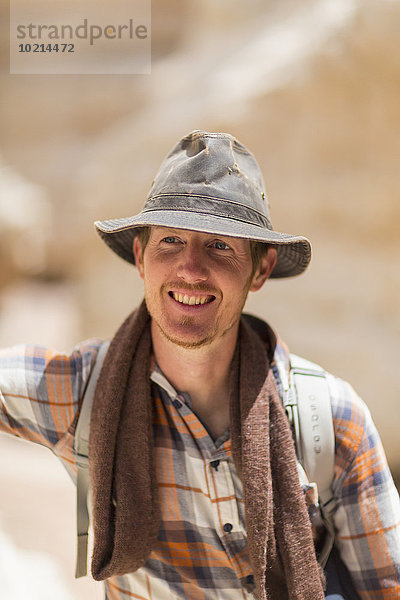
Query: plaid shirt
{"x": 202, "y": 551}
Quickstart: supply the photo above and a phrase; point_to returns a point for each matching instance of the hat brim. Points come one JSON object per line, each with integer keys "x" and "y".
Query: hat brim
{"x": 294, "y": 252}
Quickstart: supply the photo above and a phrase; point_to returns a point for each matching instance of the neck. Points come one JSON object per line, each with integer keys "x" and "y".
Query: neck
{"x": 202, "y": 372}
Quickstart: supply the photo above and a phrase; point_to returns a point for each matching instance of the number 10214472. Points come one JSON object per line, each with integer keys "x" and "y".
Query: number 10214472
{"x": 46, "y": 48}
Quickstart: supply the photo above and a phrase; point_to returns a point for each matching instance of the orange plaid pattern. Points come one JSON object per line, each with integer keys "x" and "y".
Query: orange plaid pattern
{"x": 201, "y": 551}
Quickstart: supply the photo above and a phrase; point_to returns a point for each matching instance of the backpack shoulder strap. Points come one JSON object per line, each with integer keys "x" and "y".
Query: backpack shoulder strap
{"x": 310, "y": 397}
{"x": 81, "y": 450}
{"x": 307, "y": 391}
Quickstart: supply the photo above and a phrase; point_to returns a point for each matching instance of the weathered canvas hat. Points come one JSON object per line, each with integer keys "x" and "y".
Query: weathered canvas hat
{"x": 210, "y": 182}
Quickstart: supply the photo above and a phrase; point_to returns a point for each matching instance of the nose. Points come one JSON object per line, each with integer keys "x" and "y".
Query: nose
{"x": 192, "y": 266}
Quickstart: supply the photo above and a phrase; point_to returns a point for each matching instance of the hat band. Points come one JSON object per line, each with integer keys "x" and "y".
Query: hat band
{"x": 213, "y": 207}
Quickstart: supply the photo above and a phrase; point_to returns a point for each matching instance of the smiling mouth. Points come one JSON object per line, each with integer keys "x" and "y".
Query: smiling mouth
{"x": 191, "y": 300}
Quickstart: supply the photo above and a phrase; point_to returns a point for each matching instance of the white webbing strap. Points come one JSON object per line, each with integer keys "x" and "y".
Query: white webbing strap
{"x": 316, "y": 435}
{"x": 307, "y": 394}
{"x": 81, "y": 449}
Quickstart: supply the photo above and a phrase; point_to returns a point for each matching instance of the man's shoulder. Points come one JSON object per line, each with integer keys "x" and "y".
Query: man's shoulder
{"x": 33, "y": 365}
{"x": 349, "y": 411}
{"x": 41, "y": 389}
{"x": 89, "y": 346}
{"x": 343, "y": 395}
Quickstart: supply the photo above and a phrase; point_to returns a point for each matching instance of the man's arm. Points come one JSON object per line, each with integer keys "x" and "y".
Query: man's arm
{"x": 368, "y": 514}
{"x": 41, "y": 390}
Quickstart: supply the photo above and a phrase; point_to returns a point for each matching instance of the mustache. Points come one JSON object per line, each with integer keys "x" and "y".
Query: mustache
{"x": 190, "y": 287}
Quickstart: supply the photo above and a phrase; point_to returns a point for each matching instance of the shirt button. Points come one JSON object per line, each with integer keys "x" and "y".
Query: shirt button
{"x": 215, "y": 464}
{"x": 228, "y": 527}
{"x": 177, "y": 403}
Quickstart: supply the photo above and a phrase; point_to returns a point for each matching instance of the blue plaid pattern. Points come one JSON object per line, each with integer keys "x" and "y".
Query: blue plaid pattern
{"x": 196, "y": 556}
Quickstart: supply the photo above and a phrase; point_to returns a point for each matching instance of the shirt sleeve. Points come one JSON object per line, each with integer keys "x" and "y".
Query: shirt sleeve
{"x": 41, "y": 390}
{"x": 367, "y": 518}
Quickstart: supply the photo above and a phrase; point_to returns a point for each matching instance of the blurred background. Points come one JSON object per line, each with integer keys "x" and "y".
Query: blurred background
{"x": 312, "y": 88}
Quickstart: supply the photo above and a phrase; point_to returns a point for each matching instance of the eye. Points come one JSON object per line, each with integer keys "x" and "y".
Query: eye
{"x": 170, "y": 239}
{"x": 219, "y": 245}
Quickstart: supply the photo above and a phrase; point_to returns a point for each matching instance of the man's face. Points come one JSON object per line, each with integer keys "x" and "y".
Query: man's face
{"x": 196, "y": 284}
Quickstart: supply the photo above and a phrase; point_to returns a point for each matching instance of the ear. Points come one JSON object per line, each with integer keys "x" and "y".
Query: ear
{"x": 138, "y": 254}
{"x": 264, "y": 269}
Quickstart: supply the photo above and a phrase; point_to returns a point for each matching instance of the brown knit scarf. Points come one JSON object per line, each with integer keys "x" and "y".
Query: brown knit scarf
{"x": 126, "y": 512}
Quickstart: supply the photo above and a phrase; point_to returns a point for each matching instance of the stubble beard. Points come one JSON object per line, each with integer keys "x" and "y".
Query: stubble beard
{"x": 186, "y": 321}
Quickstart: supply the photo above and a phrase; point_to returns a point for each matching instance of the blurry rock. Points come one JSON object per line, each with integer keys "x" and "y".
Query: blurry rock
{"x": 40, "y": 313}
{"x": 25, "y": 223}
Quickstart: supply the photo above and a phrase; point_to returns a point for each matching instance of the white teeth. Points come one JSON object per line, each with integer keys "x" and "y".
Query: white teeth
{"x": 190, "y": 300}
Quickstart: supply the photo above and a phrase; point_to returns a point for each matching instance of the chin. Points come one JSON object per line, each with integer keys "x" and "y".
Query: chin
{"x": 186, "y": 339}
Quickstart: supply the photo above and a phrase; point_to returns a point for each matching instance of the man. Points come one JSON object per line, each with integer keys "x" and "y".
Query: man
{"x": 195, "y": 488}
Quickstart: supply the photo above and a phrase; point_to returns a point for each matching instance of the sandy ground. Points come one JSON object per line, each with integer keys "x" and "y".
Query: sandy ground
{"x": 37, "y": 521}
